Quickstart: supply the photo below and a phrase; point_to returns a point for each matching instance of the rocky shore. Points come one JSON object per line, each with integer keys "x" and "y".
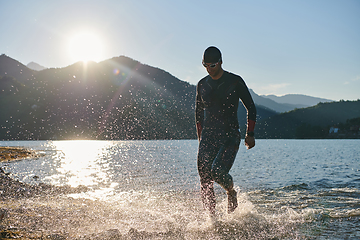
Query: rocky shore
{"x": 13, "y": 192}
{"x": 43, "y": 211}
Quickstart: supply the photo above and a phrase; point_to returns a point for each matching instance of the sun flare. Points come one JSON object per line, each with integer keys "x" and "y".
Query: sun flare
{"x": 85, "y": 46}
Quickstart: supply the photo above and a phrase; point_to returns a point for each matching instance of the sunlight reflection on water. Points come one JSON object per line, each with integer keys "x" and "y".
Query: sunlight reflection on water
{"x": 108, "y": 168}
{"x": 80, "y": 162}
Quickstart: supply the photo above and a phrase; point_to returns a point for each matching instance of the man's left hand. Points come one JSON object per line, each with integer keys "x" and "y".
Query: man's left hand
{"x": 249, "y": 142}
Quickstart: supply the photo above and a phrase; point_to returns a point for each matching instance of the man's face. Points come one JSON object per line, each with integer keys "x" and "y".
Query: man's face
{"x": 214, "y": 69}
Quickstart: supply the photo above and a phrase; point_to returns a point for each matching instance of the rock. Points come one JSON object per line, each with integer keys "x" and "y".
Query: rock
{"x": 3, "y": 213}
{"x": 55, "y": 237}
{"x": 10, "y": 234}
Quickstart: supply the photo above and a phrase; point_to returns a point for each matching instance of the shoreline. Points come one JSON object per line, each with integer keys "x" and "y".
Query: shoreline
{"x": 15, "y": 153}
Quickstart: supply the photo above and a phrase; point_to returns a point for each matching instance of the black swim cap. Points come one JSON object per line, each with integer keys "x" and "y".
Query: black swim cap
{"x": 212, "y": 55}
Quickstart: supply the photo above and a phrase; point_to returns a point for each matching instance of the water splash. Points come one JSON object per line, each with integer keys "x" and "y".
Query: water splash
{"x": 149, "y": 214}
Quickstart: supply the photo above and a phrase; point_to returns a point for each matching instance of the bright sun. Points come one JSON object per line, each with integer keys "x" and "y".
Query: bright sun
{"x": 85, "y": 46}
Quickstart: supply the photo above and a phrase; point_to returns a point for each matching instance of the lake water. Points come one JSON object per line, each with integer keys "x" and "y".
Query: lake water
{"x": 289, "y": 189}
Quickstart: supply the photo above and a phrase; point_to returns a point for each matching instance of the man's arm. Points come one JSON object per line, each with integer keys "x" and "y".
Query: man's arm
{"x": 199, "y": 112}
{"x": 251, "y": 115}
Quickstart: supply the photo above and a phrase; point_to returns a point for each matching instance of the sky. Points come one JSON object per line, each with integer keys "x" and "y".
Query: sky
{"x": 277, "y": 46}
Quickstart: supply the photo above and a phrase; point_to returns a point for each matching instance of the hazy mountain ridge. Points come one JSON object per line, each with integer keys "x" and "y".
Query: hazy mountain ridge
{"x": 271, "y": 104}
{"x": 35, "y": 66}
{"x": 297, "y": 99}
{"x": 287, "y": 102}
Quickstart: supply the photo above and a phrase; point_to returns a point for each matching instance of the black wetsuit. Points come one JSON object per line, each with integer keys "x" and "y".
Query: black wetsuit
{"x": 216, "y": 108}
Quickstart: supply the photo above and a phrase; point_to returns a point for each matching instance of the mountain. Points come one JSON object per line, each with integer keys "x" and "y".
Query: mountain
{"x": 119, "y": 98}
{"x": 287, "y": 102}
{"x": 297, "y": 99}
{"x": 11, "y": 67}
{"x": 273, "y": 105}
{"x": 35, "y": 66}
{"x": 311, "y": 122}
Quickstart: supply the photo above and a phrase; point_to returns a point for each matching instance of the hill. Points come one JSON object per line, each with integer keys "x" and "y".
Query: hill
{"x": 317, "y": 119}
{"x": 261, "y": 114}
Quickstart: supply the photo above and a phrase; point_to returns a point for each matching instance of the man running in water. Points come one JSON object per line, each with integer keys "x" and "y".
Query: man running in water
{"x": 217, "y": 101}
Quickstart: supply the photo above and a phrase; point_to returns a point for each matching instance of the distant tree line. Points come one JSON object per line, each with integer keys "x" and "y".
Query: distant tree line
{"x": 350, "y": 129}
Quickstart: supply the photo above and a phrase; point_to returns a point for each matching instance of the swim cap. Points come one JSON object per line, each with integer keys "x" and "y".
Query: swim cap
{"x": 212, "y": 55}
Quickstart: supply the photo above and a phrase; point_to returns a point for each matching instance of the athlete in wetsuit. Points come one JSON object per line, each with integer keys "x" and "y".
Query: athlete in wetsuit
{"x": 217, "y": 101}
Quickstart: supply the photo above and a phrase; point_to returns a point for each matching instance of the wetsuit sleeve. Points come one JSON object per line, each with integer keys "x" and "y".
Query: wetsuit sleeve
{"x": 249, "y": 104}
{"x": 199, "y": 111}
